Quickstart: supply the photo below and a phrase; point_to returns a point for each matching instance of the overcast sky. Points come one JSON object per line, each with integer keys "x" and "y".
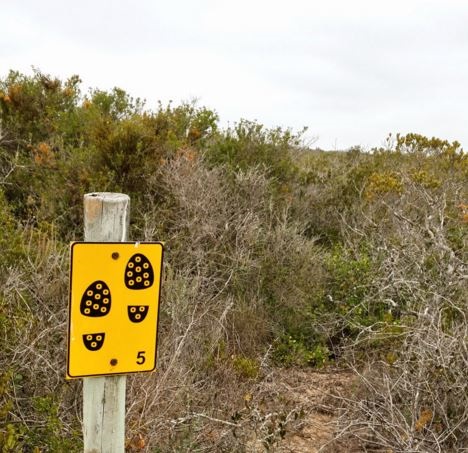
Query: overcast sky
{"x": 351, "y": 71}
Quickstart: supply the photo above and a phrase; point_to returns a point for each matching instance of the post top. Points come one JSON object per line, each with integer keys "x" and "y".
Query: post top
{"x": 107, "y": 196}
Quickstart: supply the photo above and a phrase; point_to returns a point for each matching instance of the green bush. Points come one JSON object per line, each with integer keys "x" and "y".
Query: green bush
{"x": 249, "y": 144}
{"x": 276, "y": 254}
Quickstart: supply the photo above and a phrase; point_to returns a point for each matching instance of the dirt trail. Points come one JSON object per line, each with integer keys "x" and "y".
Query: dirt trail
{"x": 311, "y": 391}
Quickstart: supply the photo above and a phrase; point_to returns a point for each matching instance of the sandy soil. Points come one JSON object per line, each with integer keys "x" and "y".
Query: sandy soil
{"x": 314, "y": 393}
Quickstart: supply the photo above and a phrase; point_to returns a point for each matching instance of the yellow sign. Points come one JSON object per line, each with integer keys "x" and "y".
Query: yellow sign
{"x": 113, "y": 311}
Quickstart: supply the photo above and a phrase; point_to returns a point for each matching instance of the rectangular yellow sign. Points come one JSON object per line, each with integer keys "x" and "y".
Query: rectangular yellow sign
{"x": 113, "y": 310}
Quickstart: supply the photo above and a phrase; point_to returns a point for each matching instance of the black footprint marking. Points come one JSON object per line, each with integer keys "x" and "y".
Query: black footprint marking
{"x": 94, "y": 341}
{"x": 96, "y": 300}
{"x": 137, "y": 313}
{"x": 139, "y": 272}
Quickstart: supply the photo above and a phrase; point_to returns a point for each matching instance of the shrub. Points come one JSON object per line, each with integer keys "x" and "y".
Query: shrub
{"x": 276, "y": 254}
{"x": 249, "y": 144}
{"x": 412, "y": 395}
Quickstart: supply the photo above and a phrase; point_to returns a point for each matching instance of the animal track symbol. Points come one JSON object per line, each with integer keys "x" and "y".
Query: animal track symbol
{"x": 96, "y": 300}
{"x": 139, "y": 273}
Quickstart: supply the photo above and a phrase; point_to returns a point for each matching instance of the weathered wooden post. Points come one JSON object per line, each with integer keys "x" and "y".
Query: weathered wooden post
{"x": 106, "y": 219}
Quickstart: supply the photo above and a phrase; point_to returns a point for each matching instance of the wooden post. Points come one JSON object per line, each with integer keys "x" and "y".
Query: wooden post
{"x": 106, "y": 219}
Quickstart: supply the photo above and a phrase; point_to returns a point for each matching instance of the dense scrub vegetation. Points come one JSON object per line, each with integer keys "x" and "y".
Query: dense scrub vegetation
{"x": 277, "y": 255}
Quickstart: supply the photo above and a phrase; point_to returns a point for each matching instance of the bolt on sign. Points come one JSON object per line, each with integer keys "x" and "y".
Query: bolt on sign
{"x": 113, "y": 308}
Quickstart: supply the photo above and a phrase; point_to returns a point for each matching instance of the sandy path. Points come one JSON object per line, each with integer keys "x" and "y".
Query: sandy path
{"x": 312, "y": 391}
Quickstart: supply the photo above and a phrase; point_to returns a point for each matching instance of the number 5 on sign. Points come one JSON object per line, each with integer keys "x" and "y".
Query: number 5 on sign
{"x": 141, "y": 358}
{"x": 114, "y": 304}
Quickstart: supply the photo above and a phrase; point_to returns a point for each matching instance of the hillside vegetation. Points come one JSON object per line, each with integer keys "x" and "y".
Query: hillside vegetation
{"x": 276, "y": 256}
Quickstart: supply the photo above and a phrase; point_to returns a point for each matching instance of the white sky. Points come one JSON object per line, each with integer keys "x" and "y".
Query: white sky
{"x": 352, "y": 71}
